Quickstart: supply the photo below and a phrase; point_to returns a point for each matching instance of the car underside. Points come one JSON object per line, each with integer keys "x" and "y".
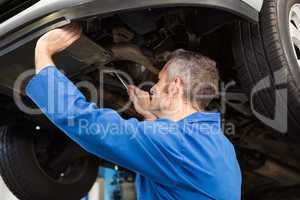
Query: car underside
{"x": 139, "y": 42}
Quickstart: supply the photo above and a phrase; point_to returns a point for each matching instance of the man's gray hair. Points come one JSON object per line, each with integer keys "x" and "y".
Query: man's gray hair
{"x": 199, "y": 75}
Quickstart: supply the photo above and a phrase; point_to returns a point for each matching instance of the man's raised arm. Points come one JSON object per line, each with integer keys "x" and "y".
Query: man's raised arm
{"x": 142, "y": 147}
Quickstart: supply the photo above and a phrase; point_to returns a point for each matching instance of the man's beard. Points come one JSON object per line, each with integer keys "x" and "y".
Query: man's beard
{"x": 157, "y": 106}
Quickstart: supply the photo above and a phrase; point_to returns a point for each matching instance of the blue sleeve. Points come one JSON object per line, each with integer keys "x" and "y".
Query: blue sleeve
{"x": 148, "y": 148}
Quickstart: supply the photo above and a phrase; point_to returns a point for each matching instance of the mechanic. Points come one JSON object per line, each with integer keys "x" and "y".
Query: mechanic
{"x": 178, "y": 152}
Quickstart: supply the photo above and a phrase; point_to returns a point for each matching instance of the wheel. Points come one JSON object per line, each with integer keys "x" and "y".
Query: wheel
{"x": 35, "y": 165}
{"x": 267, "y": 59}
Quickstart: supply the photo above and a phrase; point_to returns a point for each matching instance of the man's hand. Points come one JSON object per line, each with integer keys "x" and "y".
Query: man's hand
{"x": 54, "y": 42}
{"x": 141, "y": 102}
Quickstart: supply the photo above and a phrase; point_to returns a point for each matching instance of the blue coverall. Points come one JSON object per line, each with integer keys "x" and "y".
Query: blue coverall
{"x": 190, "y": 159}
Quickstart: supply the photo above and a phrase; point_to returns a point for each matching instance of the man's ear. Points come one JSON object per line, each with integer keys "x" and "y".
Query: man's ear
{"x": 174, "y": 86}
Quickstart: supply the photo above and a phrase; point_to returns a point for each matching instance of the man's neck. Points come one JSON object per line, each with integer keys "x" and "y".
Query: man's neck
{"x": 181, "y": 114}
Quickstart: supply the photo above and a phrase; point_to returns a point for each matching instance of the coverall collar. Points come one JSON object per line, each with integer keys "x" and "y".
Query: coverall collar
{"x": 203, "y": 116}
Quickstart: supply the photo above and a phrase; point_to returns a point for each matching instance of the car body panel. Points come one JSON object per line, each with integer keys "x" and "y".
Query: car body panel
{"x": 46, "y": 12}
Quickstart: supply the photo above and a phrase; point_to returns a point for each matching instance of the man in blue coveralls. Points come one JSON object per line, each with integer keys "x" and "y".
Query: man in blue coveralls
{"x": 178, "y": 152}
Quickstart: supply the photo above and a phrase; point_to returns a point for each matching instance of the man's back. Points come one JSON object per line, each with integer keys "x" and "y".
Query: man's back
{"x": 208, "y": 168}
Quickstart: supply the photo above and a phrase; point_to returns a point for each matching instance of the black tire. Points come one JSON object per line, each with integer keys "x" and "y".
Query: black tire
{"x": 25, "y": 177}
{"x": 260, "y": 51}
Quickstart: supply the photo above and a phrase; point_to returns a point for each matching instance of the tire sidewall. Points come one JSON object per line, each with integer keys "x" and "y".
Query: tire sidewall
{"x": 283, "y": 9}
